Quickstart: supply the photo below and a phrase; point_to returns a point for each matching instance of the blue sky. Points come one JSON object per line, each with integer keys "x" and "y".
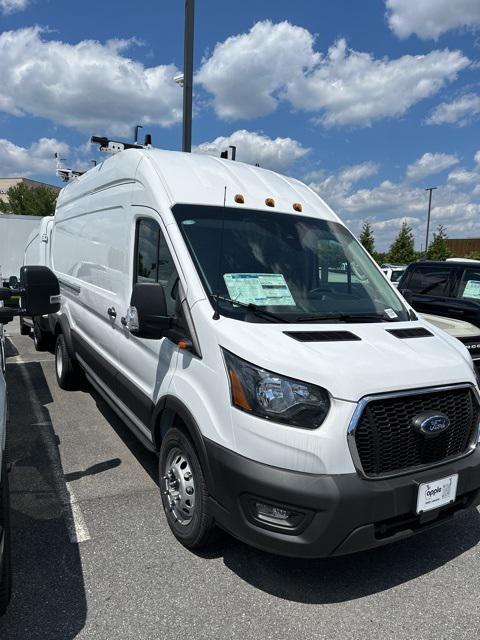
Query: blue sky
{"x": 369, "y": 102}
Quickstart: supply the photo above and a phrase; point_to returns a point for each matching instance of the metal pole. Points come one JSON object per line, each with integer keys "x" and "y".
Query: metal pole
{"x": 188, "y": 75}
{"x": 430, "y": 189}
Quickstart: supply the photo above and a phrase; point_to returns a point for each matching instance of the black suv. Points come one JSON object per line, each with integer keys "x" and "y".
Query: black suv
{"x": 445, "y": 288}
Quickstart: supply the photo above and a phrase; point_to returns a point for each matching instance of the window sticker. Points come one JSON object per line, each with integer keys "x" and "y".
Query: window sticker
{"x": 262, "y": 289}
{"x": 472, "y": 289}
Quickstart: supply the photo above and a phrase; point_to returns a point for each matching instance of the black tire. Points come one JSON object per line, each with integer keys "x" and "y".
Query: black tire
{"x": 41, "y": 339}
{"x": 24, "y": 328}
{"x": 66, "y": 369}
{"x": 6, "y": 573}
{"x": 199, "y": 530}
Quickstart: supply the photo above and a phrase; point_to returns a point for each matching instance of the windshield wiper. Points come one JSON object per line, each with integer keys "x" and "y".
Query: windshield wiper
{"x": 346, "y": 317}
{"x": 246, "y": 305}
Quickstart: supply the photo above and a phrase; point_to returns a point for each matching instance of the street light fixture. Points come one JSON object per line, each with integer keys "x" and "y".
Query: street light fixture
{"x": 179, "y": 78}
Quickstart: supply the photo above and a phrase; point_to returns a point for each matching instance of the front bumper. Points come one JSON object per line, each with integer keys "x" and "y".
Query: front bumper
{"x": 343, "y": 513}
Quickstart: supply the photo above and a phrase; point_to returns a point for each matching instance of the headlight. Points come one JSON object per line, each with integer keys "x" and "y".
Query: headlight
{"x": 275, "y": 397}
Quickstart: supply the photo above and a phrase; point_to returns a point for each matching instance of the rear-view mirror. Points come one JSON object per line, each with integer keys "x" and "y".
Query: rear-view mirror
{"x": 39, "y": 291}
{"x": 147, "y": 315}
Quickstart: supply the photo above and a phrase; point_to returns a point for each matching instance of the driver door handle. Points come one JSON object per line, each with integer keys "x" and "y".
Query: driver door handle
{"x": 111, "y": 312}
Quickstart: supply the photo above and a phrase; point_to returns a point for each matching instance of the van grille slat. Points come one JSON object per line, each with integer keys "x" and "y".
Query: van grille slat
{"x": 387, "y": 443}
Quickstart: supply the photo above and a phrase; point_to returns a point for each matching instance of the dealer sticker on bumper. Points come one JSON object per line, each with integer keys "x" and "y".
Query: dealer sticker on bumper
{"x": 432, "y": 495}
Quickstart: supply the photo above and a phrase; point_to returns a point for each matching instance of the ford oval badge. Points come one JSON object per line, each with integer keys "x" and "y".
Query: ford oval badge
{"x": 430, "y": 423}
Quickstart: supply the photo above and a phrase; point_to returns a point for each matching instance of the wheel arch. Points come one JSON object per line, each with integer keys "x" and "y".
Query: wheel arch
{"x": 172, "y": 412}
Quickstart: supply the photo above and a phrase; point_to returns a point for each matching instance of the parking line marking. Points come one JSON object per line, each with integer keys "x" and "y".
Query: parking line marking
{"x": 72, "y": 512}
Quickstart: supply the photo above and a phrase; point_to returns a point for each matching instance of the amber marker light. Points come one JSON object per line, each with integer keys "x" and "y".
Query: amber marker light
{"x": 238, "y": 394}
{"x": 270, "y": 202}
{"x": 297, "y": 206}
{"x": 239, "y": 199}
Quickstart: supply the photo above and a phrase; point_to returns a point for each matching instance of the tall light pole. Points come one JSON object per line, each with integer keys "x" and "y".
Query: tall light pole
{"x": 188, "y": 75}
{"x": 430, "y": 189}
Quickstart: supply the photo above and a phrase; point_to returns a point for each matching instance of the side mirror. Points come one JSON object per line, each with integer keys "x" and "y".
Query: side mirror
{"x": 147, "y": 314}
{"x": 39, "y": 291}
{"x": 408, "y": 295}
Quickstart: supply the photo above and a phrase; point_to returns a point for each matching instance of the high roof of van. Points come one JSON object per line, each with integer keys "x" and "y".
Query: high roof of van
{"x": 193, "y": 178}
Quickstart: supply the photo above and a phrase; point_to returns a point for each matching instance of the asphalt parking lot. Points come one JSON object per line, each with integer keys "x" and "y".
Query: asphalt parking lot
{"x": 93, "y": 556}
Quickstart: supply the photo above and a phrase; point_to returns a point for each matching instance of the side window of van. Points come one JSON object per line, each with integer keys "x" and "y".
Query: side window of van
{"x": 154, "y": 262}
{"x": 429, "y": 282}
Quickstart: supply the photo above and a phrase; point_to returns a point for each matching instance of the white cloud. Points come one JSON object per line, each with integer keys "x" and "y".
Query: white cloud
{"x": 386, "y": 204}
{"x": 271, "y": 153}
{"x": 461, "y": 111}
{"x": 89, "y": 85}
{"x": 12, "y": 6}
{"x": 431, "y": 18}
{"x": 430, "y": 164}
{"x": 354, "y": 88}
{"x": 17, "y": 161}
{"x": 249, "y": 74}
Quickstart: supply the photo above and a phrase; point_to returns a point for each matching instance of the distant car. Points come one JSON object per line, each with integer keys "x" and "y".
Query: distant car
{"x": 466, "y": 332}
{"x": 450, "y": 288}
{"x": 394, "y": 272}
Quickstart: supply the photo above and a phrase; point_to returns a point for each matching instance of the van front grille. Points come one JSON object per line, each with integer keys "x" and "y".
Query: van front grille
{"x": 387, "y": 444}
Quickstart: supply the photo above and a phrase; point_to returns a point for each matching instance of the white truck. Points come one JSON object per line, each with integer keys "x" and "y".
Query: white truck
{"x": 38, "y": 251}
{"x": 305, "y": 409}
{"x": 14, "y": 231}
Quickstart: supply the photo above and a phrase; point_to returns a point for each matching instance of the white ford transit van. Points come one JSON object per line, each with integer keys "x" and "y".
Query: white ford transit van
{"x": 37, "y": 252}
{"x": 240, "y": 330}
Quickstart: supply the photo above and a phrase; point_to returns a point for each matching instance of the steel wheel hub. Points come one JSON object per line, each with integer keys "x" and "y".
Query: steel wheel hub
{"x": 59, "y": 361}
{"x": 179, "y": 487}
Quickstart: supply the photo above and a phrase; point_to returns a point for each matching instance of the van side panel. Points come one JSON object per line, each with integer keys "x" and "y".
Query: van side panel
{"x": 91, "y": 260}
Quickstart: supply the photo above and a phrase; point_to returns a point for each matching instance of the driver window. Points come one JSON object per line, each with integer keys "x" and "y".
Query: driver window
{"x": 153, "y": 260}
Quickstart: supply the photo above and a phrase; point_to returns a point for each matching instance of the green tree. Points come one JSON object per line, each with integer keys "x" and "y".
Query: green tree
{"x": 366, "y": 237}
{"x": 402, "y": 250}
{"x": 437, "y": 249}
{"x": 31, "y": 201}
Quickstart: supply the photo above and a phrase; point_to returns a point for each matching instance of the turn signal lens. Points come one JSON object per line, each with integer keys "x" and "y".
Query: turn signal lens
{"x": 238, "y": 394}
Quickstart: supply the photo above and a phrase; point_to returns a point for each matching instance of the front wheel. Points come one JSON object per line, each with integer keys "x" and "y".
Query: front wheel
{"x": 41, "y": 339}
{"x": 184, "y": 492}
{"x": 65, "y": 367}
{"x": 24, "y": 328}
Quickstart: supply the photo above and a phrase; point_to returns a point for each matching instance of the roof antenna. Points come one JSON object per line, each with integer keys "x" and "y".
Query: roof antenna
{"x": 137, "y": 127}
{"x": 225, "y": 196}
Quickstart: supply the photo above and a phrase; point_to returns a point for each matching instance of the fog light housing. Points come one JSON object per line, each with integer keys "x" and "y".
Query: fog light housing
{"x": 272, "y": 513}
{"x": 275, "y": 516}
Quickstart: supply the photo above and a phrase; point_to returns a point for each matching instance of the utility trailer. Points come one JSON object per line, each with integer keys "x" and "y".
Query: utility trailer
{"x": 14, "y": 232}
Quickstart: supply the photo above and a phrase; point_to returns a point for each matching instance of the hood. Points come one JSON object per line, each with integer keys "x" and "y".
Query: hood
{"x": 457, "y": 328}
{"x": 376, "y": 362}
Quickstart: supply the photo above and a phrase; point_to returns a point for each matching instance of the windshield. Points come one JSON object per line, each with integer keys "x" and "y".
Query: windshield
{"x": 298, "y": 267}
